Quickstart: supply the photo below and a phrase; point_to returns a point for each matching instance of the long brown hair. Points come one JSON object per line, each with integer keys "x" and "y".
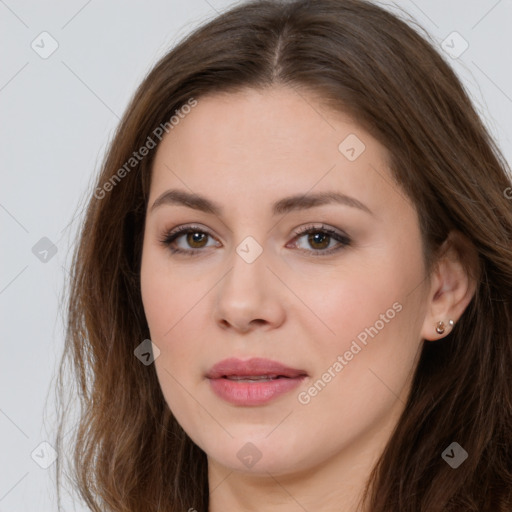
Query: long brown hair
{"x": 130, "y": 454}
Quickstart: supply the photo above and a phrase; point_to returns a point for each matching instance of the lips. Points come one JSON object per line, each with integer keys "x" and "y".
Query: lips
{"x": 253, "y": 369}
{"x": 254, "y": 382}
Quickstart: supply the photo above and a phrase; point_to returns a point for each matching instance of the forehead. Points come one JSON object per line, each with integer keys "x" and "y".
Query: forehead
{"x": 260, "y": 141}
{"x": 274, "y": 122}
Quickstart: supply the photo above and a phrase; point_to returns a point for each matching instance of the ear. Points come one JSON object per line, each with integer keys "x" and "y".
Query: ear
{"x": 453, "y": 284}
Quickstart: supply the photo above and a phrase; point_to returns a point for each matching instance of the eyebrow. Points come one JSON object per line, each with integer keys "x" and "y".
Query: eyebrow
{"x": 285, "y": 205}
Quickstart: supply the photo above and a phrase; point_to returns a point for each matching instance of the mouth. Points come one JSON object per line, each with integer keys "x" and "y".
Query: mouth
{"x": 253, "y": 382}
{"x": 255, "y": 369}
{"x": 254, "y": 378}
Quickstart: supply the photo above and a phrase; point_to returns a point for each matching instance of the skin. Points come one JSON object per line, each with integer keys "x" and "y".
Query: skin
{"x": 245, "y": 151}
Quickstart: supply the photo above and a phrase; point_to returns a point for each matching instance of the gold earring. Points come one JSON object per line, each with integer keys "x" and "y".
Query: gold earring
{"x": 440, "y": 327}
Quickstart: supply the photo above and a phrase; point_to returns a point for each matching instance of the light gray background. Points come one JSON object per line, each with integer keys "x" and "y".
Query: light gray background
{"x": 57, "y": 117}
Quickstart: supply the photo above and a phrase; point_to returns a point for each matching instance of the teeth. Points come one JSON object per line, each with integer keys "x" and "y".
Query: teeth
{"x": 252, "y": 378}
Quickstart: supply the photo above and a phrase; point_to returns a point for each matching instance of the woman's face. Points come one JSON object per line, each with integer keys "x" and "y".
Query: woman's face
{"x": 343, "y": 306}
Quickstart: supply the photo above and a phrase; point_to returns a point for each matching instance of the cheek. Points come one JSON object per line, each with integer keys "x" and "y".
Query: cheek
{"x": 349, "y": 301}
{"x": 166, "y": 296}
{"x": 157, "y": 300}
{"x": 173, "y": 305}
{"x": 362, "y": 370}
{"x": 167, "y": 305}
{"x": 369, "y": 318}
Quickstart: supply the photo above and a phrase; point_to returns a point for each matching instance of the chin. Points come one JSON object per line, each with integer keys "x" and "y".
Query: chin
{"x": 259, "y": 456}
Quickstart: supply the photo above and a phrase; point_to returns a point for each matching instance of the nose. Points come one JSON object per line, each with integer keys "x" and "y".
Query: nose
{"x": 249, "y": 296}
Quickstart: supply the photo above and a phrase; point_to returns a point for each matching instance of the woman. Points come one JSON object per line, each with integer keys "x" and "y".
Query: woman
{"x": 292, "y": 287}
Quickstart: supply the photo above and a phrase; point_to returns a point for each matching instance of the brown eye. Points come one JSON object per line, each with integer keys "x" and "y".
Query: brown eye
{"x": 196, "y": 239}
{"x": 319, "y": 240}
{"x": 188, "y": 240}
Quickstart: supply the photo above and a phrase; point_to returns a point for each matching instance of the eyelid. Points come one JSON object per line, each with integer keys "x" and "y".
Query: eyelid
{"x": 319, "y": 226}
{"x": 169, "y": 236}
{"x": 339, "y": 236}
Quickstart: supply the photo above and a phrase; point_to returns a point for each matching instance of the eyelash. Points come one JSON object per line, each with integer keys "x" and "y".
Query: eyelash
{"x": 170, "y": 236}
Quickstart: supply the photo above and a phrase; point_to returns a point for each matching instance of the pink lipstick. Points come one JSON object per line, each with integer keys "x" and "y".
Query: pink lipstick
{"x": 253, "y": 382}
